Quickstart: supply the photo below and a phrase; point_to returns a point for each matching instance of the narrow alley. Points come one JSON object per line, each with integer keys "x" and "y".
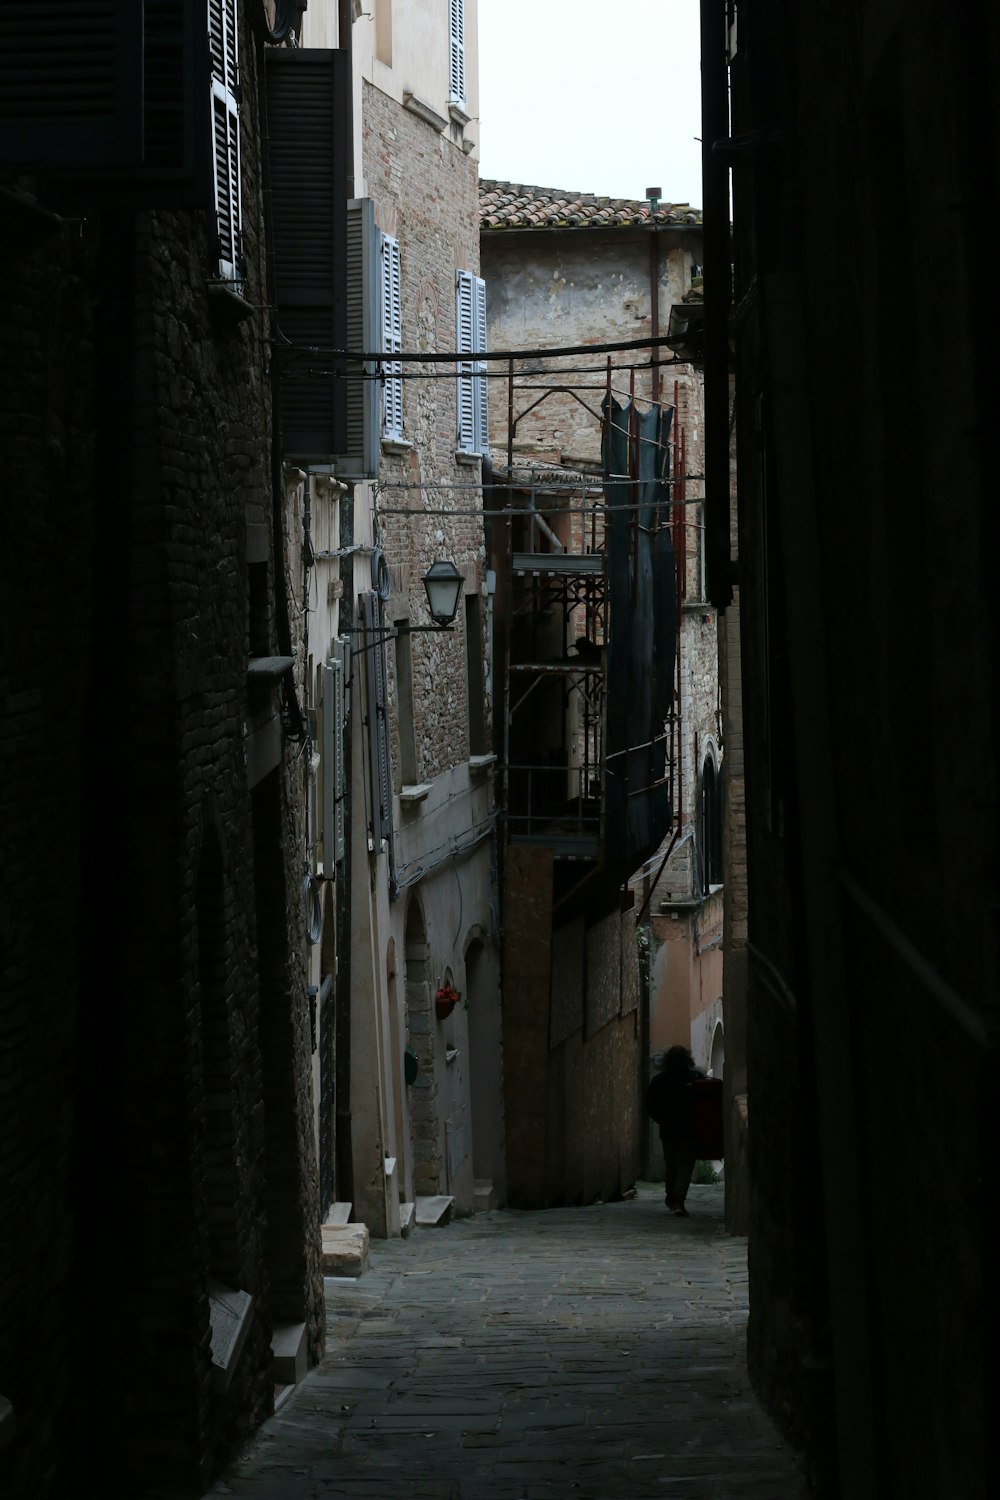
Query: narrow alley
{"x": 593, "y": 1352}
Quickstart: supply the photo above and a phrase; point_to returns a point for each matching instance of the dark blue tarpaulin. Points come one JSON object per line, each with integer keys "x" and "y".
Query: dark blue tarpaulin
{"x": 642, "y": 634}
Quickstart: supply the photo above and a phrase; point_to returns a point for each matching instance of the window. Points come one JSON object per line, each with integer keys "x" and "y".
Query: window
{"x": 710, "y": 826}
{"x": 456, "y": 52}
{"x": 305, "y": 162}
{"x": 474, "y": 675}
{"x": 404, "y": 708}
{"x": 470, "y": 330}
{"x": 223, "y": 47}
{"x": 391, "y": 304}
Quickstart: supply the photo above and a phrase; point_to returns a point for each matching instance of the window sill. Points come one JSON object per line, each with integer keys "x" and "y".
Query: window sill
{"x": 480, "y": 764}
{"x": 409, "y": 796}
{"x": 227, "y": 304}
{"x": 424, "y": 111}
{"x": 458, "y": 114}
{"x": 396, "y": 447}
{"x": 464, "y": 457}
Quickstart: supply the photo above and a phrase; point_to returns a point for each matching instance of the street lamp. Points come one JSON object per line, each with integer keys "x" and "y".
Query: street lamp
{"x": 443, "y": 584}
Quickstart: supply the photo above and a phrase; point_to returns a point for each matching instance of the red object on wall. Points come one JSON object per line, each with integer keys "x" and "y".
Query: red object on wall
{"x": 706, "y": 1096}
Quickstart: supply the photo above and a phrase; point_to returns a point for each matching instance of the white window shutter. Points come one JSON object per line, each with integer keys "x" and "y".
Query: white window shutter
{"x": 392, "y": 337}
{"x": 482, "y": 384}
{"x": 377, "y": 693}
{"x": 332, "y": 770}
{"x": 465, "y": 333}
{"x": 223, "y": 47}
{"x": 456, "y": 52}
{"x": 343, "y": 658}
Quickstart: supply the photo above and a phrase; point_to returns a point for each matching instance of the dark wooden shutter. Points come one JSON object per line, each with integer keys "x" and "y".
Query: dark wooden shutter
{"x": 109, "y": 100}
{"x": 308, "y": 96}
{"x": 360, "y": 456}
{"x": 70, "y": 84}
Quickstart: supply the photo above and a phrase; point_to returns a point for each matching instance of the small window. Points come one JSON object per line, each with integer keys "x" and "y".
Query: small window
{"x": 470, "y": 331}
{"x": 391, "y": 302}
{"x": 456, "y": 52}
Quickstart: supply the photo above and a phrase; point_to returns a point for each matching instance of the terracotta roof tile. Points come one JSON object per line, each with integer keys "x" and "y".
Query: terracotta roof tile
{"x": 511, "y": 205}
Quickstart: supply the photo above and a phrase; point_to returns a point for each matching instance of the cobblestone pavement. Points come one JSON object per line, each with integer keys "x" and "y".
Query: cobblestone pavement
{"x": 576, "y": 1354}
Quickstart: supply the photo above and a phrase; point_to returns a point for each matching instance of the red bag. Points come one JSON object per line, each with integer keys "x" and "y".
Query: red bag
{"x": 706, "y": 1112}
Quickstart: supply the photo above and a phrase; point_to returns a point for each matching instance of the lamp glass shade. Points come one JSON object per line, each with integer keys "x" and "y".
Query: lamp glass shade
{"x": 443, "y": 583}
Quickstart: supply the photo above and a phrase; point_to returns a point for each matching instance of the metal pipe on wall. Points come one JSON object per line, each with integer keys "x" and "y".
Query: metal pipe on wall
{"x": 715, "y": 218}
{"x": 345, "y": 24}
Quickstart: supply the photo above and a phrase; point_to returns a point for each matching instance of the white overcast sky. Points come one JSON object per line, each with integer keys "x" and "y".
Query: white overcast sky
{"x": 598, "y": 96}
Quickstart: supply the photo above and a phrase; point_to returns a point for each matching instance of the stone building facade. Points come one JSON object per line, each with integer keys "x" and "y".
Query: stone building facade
{"x": 160, "y": 1218}
{"x": 578, "y": 271}
{"x": 414, "y": 910}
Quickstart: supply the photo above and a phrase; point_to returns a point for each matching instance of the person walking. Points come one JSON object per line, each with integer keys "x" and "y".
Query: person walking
{"x": 669, "y": 1102}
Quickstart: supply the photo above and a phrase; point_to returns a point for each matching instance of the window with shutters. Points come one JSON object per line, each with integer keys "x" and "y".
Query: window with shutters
{"x": 456, "y": 52}
{"x": 107, "y": 100}
{"x": 333, "y": 783}
{"x": 377, "y": 693}
{"x": 470, "y": 332}
{"x": 305, "y": 160}
{"x": 391, "y": 307}
{"x": 224, "y": 49}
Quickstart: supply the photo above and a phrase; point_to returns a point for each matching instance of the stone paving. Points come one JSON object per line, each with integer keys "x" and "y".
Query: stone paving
{"x": 576, "y": 1354}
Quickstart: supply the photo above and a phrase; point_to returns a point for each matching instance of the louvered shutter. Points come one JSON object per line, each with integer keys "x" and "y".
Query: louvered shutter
{"x": 107, "y": 100}
{"x": 456, "y": 52}
{"x": 392, "y": 337}
{"x": 380, "y": 770}
{"x": 306, "y": 166}
{"x": 465, "y": 324}
{"x": 333, "y": 765}
{"x": 359, "y": 456}
{"x": 481, "y": 384}
{"x": 343, "y": 655}
{"x": 70, "y": 84}
{"x": 223, "y": 49}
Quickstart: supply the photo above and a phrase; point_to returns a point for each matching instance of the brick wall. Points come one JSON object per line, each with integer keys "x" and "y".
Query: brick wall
{"x": 156, "y": 1126}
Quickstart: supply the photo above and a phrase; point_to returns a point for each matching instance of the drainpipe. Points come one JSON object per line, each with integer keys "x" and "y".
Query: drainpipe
{"x": 715, "y": 216}
{"x": 654, "y": 310}
{"x": 345, "y": 32}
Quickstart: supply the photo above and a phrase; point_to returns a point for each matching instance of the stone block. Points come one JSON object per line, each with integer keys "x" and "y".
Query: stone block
{"x": 344, "y": 1249}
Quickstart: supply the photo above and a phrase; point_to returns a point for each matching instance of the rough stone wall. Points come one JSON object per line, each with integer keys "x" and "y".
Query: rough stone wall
{"x": 154, "y": 1118}
{"x": 424, "y": 190}
{"x": 578, "y": 287}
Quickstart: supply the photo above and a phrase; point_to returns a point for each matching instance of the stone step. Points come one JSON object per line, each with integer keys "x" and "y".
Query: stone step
{"x": 407, "y": 1218}
{"x": 345, "y": 1249}
{"x": 483, "y": 1196}
{"x": 431, "y": 1211}
{"x": 339, "y": 1214}
{"x": 289, "y": 1355}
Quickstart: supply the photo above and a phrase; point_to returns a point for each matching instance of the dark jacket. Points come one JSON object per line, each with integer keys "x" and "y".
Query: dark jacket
{"x": 669, "y": 1103}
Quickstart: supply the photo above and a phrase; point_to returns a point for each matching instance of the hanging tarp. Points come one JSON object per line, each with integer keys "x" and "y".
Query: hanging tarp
{"x": 642, "y": 633}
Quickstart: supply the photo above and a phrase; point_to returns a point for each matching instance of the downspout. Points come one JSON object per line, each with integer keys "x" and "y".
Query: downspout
{"x": 715, "y": 216}
{"x": 654, "y": 312}
{"x": 345, "y": 33}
